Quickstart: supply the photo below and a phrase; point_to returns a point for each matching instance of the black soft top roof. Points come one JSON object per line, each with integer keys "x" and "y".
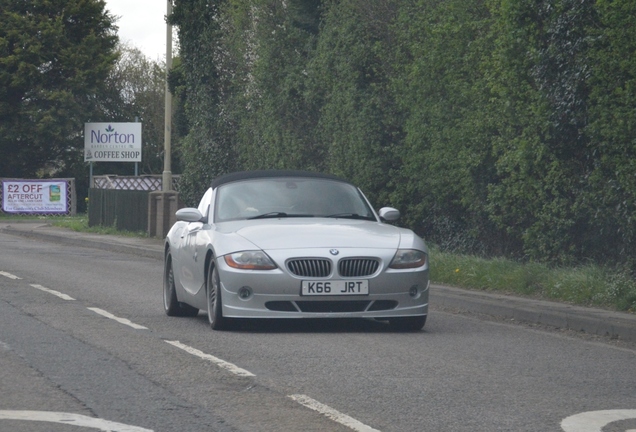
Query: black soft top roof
{"x": 246, "y": 175}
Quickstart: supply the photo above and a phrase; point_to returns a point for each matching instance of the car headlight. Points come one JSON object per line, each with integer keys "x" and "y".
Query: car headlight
{"x": 250, "y": 260}
{"x": 408, "y": 258}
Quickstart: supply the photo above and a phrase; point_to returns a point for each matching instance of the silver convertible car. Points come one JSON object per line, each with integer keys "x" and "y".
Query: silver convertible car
{"x": 293, "y": 244}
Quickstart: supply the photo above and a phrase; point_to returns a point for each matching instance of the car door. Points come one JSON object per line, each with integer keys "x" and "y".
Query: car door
{"x": 192, "y": 264}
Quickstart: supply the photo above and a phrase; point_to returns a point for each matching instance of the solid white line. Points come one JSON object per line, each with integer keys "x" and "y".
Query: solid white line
{"x": 9, "y": 275}
{"x": 331, "y": 413}
{"x": 55, "y": 293}
{"x": 70, "y": 419}
{"x": 217, "y": 361}
{"x": 119, "y": 320}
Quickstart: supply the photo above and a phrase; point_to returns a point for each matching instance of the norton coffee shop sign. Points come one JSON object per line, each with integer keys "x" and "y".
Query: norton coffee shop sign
{"x": 112, "y": 142}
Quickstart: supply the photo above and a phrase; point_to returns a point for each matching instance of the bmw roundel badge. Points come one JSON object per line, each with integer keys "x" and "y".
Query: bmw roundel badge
{"x": 334, "y": 251}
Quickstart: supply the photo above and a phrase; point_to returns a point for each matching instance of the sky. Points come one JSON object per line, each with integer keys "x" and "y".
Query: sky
{"x": 141, "y": 24}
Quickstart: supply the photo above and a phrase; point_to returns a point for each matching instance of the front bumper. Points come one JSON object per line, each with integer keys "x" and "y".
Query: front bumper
{"x": 277, "y": 293}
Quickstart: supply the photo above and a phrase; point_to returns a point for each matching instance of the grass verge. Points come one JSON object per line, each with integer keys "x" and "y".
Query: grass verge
{"x": 587, "y": 285}
{"x": 76, "y": 223}
{"x": 80, "y": 224}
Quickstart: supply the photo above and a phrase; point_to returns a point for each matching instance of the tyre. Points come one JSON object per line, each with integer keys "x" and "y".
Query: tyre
{"x": 408, "y": 324}
{"x": 170, "y": 303}
{"x": 215, "y": 303}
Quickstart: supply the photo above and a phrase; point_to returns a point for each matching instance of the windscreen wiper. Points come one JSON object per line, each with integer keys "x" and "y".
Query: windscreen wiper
{"x": 350, "y": 216}
{"x": 278, "y": 215}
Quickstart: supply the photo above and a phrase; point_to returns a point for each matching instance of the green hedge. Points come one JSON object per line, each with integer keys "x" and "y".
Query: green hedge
{"x": 498, "y": 127}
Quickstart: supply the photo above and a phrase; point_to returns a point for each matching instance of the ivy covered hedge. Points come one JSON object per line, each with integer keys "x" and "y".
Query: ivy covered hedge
{"x": 499, "y": 127}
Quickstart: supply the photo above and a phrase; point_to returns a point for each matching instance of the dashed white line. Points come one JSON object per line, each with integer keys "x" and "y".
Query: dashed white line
{"x": 119, "y": 320}
{"x": 304, "y": 400}
{"x": 221, "y": 363}
{"x": 55, "y": 293}
{"x": 9, "y": 275}
{"x": 331, "y": 413}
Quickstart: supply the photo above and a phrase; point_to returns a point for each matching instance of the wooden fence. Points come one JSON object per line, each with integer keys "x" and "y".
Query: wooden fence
{"x": 122, "y": 201}
{"x": 126, "y": 210}
{"x": 144, "y": 182}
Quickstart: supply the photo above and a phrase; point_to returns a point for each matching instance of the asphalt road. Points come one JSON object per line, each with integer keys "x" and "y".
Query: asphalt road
{"x": 82, "y": 331}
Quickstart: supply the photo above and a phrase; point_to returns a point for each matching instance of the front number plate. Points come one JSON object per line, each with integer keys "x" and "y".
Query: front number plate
{"x": 335, "y": 287}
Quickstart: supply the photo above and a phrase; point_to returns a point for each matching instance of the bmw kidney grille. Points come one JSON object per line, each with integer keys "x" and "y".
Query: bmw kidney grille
{"x": 317, "y": 267}
{"x": 356, "y": 267}
{"x": 309, "y": 267}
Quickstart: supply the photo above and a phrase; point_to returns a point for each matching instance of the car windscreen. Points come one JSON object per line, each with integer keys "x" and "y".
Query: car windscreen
{"x": 289, "y": 197}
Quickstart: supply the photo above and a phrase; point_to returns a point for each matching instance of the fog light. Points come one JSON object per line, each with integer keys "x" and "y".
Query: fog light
{"x": 245, "y": 292}
{"x": 414, "y": 292}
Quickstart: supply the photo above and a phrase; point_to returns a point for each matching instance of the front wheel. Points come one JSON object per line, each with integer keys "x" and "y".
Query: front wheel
{"x": 215, "y": 303}
{"x": 408, "y": 324}
{"x": 170, "y": 303}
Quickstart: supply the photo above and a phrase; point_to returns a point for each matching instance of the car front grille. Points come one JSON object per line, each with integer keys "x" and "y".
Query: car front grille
{"x": 356, "y": 267}
{"x": 309, "y": 267}
{"x": 321, "y": 267}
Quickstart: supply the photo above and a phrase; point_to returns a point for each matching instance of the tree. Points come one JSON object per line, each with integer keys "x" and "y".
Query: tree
{"x": 55, "y": 57}
{"x": 274, "y": 131}
{"x": 359, "y": 126}
{"x": 610, "y": 199}
{"x": 446, "y": 153}
{"x": 135, "y": 91}
{"x": 242, "y": 82}
{"x": 541, "y": 70}
{"x": 206, "y": 150}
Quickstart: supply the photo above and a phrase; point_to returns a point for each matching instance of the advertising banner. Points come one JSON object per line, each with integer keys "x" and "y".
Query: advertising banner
{"x": 34, "y": 196}
{"x": 112, "y": 142}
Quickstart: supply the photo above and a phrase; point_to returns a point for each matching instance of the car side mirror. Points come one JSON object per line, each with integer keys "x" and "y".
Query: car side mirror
{"x": 389, "y": 214}
{"x": 189, "y": 215}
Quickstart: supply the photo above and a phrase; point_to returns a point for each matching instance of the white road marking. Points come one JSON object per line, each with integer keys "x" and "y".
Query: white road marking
{"x": 70, "y": 419}
{"x": 9, "y": 275}
{"x": 119, "y": 320}
{"x": 55, "y": 293}
{"x": 594, "y": 421}
{"x": 331, "y": 413}
{"x": 217, "y": 361}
